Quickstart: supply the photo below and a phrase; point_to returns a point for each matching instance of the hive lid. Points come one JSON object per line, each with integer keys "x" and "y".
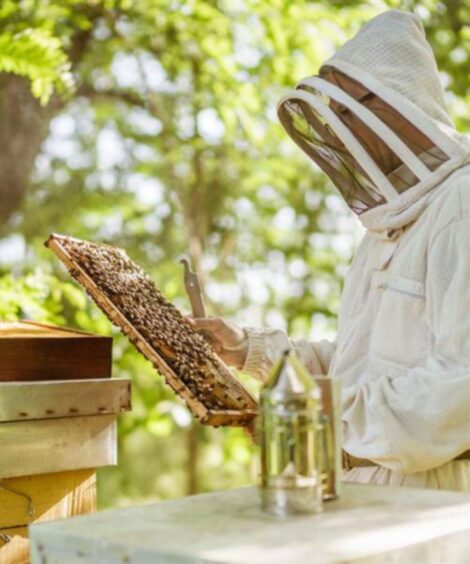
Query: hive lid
{"x": 27, "y": 328}
{"x": 31, "y": 351}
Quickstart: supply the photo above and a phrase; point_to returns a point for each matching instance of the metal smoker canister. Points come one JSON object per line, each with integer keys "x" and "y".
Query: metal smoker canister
{"x": 291, "y": 452}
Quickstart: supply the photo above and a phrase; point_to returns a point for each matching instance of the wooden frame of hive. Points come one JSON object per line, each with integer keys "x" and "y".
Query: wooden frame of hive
{"x": 235, "y": 390}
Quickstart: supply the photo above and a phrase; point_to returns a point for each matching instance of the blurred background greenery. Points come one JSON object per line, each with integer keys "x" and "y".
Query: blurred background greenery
{"x": 151, "y": 125}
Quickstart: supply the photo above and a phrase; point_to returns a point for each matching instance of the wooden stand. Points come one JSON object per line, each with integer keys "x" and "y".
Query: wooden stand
{"x": 35, "y": 499}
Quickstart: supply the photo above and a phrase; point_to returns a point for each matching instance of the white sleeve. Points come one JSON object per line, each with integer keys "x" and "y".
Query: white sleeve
{"x": 265, "y": 346}
{"x": 420, "y": 418}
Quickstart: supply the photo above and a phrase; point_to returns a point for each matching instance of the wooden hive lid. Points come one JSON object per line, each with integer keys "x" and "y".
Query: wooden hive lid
{"x": 31, "y": 351}
{"x": 27, "y": 328}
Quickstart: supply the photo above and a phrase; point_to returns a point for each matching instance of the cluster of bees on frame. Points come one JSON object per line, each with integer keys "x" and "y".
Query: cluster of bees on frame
{"x": 158, "y": 321}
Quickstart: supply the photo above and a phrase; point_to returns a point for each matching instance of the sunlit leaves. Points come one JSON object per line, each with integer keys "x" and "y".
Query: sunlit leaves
{"x": 38, "y": 296}
{"x": 38, "y": 56}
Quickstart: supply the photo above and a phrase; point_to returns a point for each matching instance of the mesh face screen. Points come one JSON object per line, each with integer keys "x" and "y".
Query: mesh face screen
{"x": 316, "y": 138}
{"x": 310, "y": 131}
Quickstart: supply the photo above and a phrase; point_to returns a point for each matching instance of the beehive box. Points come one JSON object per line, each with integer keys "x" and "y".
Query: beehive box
{"x": 53, "y": 434}
{"x": 59, "y": 425}
{"x": 35, "y": 351}
{"x": 158, "y": 330}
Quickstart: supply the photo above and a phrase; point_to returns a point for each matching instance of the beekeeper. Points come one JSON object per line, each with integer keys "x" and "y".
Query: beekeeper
{"x": 375, "y": 122}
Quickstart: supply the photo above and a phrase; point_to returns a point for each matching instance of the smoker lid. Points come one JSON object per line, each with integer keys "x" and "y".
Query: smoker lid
{"x": 290, "y": 378}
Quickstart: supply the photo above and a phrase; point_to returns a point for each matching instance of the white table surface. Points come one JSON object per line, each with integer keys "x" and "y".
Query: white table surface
{"x": 368, "y": 524}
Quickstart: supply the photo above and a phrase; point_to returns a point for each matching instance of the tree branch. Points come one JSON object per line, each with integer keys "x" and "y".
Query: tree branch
{"x": 127, "y": 96}
{"x": 87, "y": 91}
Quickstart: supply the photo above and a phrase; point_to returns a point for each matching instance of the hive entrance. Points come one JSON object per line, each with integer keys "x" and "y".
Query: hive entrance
{"x": 130, "y": 299}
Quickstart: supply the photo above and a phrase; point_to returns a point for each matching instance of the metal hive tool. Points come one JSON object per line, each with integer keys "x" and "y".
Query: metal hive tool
{"x": 193, "y": 289}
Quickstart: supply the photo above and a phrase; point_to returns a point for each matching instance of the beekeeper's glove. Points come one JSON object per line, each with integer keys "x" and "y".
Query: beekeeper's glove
{"x": 227, "y": 339}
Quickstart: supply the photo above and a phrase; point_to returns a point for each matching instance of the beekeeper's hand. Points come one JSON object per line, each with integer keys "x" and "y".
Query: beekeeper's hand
{"x": 227, "y": 339}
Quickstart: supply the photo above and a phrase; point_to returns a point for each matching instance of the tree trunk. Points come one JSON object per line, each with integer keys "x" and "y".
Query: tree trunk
{"x": 24, "y": 125}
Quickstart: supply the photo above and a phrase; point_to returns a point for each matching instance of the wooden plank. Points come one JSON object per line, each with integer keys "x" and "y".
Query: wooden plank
{"x": 20, "y": 401}
{"x": 32, "y": 351}
{"x": 51, "y": 496}
{"x": 227, "y": 417}
{"x": 54, "y": 445}
{"x": 225, "y": 389}
{"x": 373, "y": 522}
{"x": 14, "y": 546}
{"x": 54, "y": 496}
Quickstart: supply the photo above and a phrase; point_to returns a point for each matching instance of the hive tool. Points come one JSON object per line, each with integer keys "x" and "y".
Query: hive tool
{"x": 193, "y": 289}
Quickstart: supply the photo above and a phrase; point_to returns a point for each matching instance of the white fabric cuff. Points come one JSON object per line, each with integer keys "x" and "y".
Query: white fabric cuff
{"x": 264, "y": 348}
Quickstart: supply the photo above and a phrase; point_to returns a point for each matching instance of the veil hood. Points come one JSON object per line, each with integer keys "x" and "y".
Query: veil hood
{"x": 391, "y": 61}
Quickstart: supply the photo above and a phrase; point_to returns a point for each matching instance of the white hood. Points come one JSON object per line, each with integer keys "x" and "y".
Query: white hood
{"x": 392, "y": 59}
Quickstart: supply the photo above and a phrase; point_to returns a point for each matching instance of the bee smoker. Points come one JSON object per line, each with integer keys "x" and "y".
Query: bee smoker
{"x": 291, "y": 452}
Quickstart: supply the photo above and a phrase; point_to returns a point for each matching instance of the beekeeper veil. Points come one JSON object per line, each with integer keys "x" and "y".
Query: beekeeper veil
{"x": 375, "y": 121}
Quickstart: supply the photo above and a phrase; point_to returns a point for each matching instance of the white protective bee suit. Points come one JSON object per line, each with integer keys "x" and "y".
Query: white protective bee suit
{"x": 403, "y": 345}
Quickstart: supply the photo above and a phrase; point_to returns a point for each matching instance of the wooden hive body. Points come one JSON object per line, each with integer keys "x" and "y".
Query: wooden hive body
{"x": 158, "y": 330}
{"x": 35, "y": 351}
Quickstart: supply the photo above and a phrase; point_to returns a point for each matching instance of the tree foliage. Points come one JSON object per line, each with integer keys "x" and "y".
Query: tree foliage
{"x": 38, "y": 56}
{"x": 167, "y": 143}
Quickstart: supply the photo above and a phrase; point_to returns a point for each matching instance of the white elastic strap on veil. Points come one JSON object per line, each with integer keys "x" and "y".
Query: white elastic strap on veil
{"x": 435, "y": 131}
{"x": 401, "y": 150}
{"x": 347, "y": 138}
